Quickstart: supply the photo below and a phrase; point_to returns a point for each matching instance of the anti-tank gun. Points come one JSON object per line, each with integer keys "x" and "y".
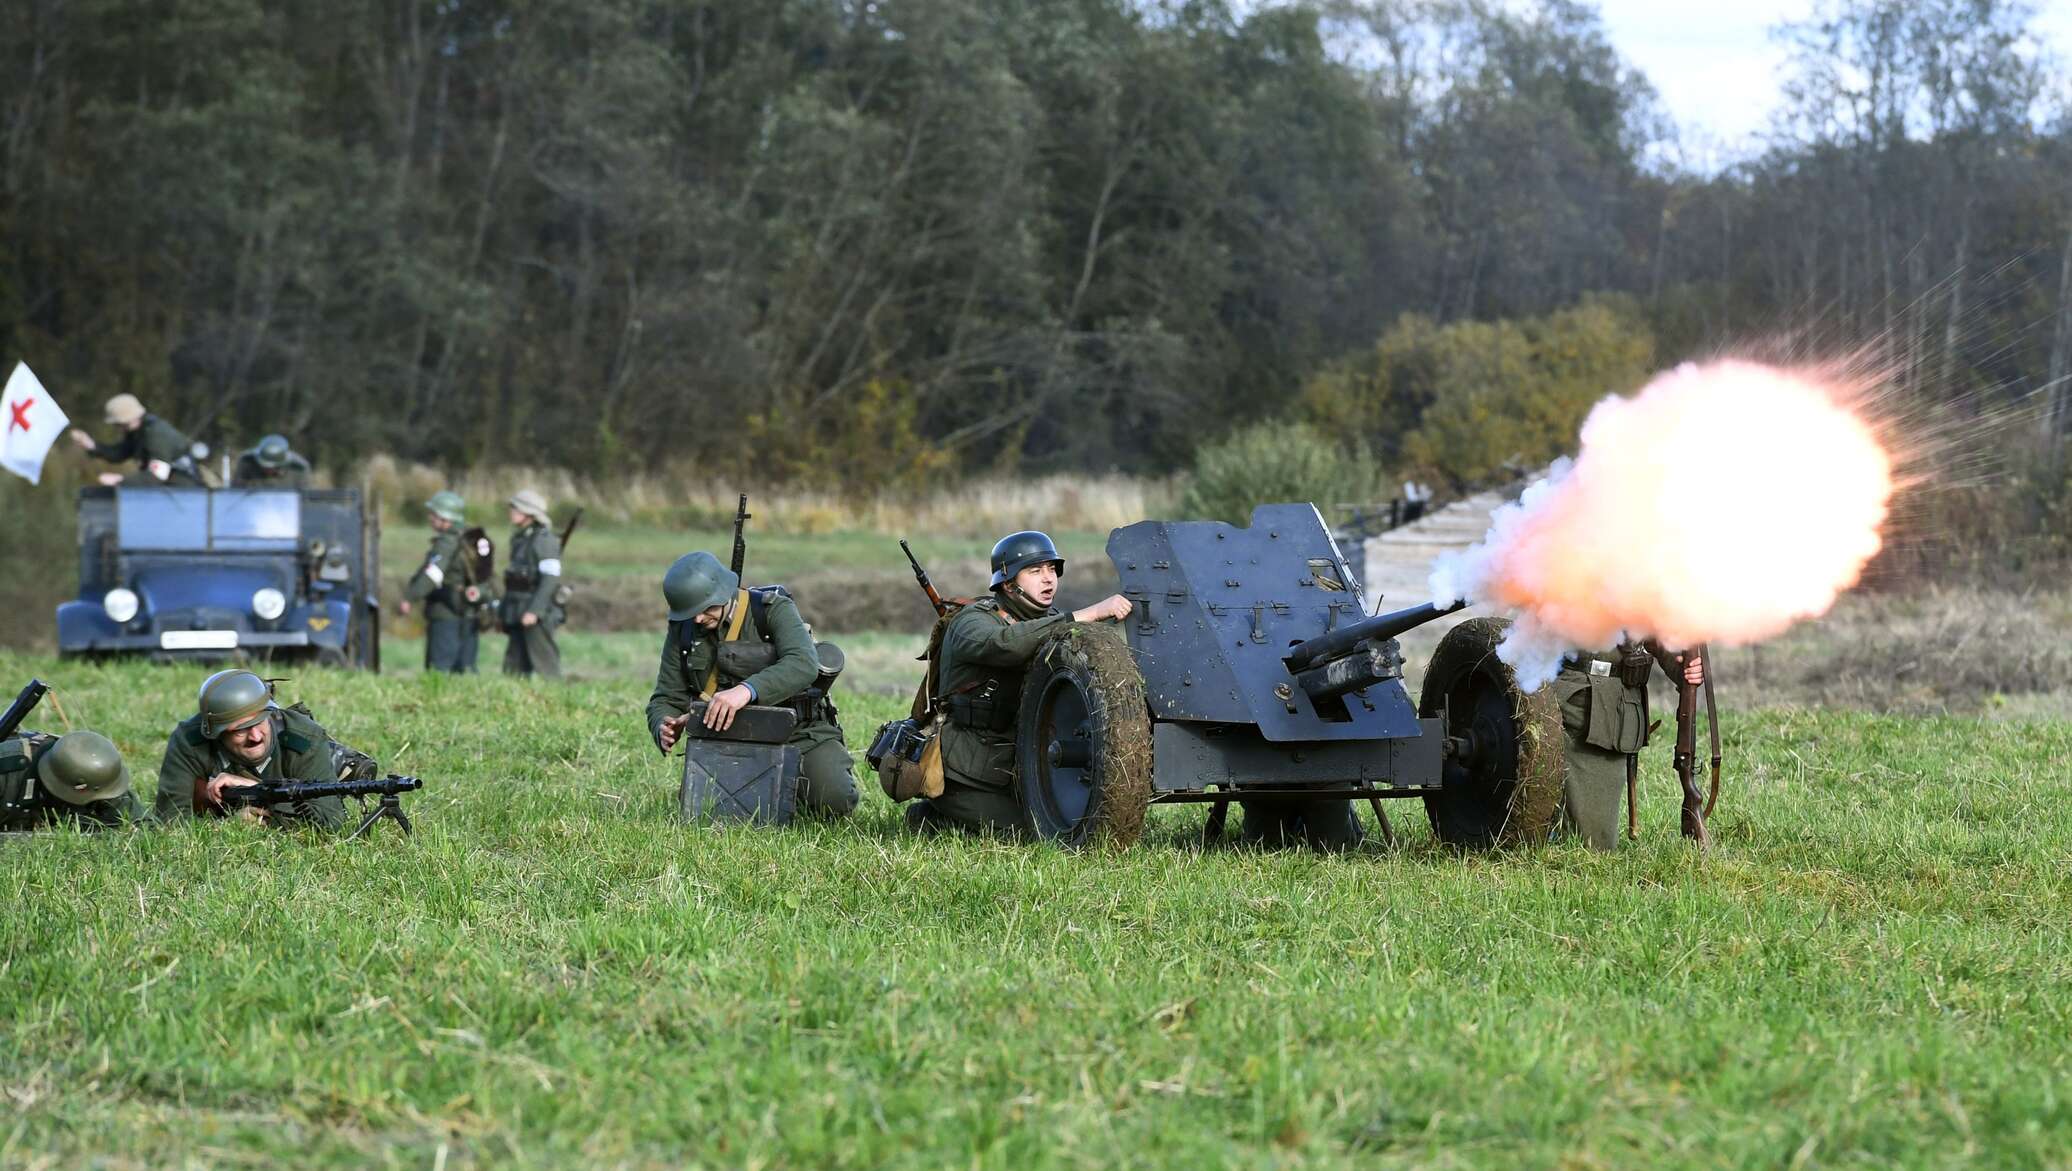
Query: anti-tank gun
{"x": 1249, "y": 671}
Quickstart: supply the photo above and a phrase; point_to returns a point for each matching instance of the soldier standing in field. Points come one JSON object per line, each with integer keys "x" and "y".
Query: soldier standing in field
{"x": 532, "y": 574}
{"x": 239, "y": 736}
{"x": 985, "y": 649}
{"x": 76, "y": 779}
{"x": 271, "y": 463}
{"x": 1604, "y": 720}
{"x": 445, "y": 586}
{"x": 161, "y": 452}
{"x": 733, "y": 647}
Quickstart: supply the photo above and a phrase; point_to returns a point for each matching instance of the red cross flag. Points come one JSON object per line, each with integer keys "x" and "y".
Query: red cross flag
{"x": 33, "y": 422}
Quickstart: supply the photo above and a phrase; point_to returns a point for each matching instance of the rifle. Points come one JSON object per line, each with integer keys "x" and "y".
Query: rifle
{"x": 570, "y": 530}
{"x": 387, "y": 788}
{"x": 1687, "y": 749}
{"x": 24, "y": 703}
{"x": 741, "y": 515}
{"x": 921, "y": 575}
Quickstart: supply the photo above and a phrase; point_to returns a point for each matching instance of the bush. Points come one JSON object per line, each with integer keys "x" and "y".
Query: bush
{"x": 1275, "y": 462}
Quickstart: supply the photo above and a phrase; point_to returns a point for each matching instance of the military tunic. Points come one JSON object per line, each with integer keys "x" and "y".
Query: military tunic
{"x": 251, "y": 473}
{"x": 781, "y": 668}
{"x": 25, "y": 804}
{"x": 985, "y": 649}
{"x": 439, "y": 588}
{"x": 531, "y": 576}
{"x": 156, "y": 441}
{"x": 302, "y": 751}
{"x": 1604, "y": 718}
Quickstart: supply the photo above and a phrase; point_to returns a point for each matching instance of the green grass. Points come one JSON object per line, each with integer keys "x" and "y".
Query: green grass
{"x": 1870, "y": 970}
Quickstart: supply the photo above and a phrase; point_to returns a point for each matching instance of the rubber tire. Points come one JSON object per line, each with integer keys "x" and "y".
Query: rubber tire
{"x": 1098, "y": 664}
{"x": 1498, "y": 805}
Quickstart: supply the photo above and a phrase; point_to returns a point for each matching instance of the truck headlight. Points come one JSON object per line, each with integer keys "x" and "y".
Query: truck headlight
{"x": 269, "y": 604}
{"x": 120, "y": 604}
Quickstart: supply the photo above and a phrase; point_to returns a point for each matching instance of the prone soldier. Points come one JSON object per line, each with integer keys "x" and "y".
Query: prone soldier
{"x": 159, "y": 449}
{"x": 985, "y": 648}
{"x": 531, "y": 610}
{"x": 75, "y": 779}
{"x": 271, "y": 463}
{"x": 240, "y": 736}
{"x": 765, "y": 656}
{"x": 1604, "y": 720}
{"x": 445, "y": 586}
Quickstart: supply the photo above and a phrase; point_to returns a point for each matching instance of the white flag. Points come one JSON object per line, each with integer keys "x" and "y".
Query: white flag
{"x": 33, "y": 421}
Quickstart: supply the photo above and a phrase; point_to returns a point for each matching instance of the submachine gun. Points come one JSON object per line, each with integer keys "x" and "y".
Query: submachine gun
{"x": 388, "y": 789}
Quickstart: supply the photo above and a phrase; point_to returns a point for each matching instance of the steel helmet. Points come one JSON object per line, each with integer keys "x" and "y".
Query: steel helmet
{"x": 447, "y": 505}
{"x": 1018, "y": 551}
{"x": 532, "y": 504}
{"x": 272, "y": 451}
{"x": 124, "y": 409}
{"x": 695, "y": 582}
{"x": 231, "y": 701}
{"x": 83, "y": 767}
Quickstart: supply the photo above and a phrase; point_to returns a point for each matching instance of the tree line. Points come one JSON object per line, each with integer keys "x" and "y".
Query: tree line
{"x": 861, "y": 242}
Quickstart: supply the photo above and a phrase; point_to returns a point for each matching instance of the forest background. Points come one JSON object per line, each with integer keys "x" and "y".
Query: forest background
{"x": 860, "y": 248}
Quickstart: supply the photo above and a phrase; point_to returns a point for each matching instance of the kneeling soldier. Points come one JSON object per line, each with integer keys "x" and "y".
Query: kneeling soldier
{"x": 775, "y": 665}
{"x": 77, "y": 778}
{"x": 445, "y": 586}
{"x": 978, "y": 678}
{"x": 240, "y": 736}
{"x": 1604, "y": 718}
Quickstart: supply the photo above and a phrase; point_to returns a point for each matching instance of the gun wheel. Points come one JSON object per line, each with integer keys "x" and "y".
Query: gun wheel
{"x": 1505, "y": 789}
{"x": 1083, "y": 743}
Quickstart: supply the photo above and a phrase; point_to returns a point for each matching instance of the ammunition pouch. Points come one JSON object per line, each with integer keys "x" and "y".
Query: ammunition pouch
{"x": 983, "y": 710}
{"x": 744, "y": 657}
{"x": 1634, "y": 666}
{"x": 519, "y": 583}
{"x": 908, "y": 760}
{"x": 1601, "y": 711}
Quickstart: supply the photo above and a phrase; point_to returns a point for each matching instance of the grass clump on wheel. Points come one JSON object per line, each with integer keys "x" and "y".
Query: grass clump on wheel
{"x": 1083, "y": 741}
{"x": 1506, "y": 789}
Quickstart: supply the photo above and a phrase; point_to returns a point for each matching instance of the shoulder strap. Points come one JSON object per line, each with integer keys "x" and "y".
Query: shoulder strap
{"x": 733, "y": 632}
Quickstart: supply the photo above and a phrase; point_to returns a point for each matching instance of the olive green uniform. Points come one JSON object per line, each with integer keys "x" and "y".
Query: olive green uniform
{"x": 155, "y": 440}
{"x": 985, "y": 650}
{"x": 302, "y": 751}
{"x": 531, "y": 576}
{"x": 251, "y": 473}
{"x": 776, "y": 660}
{"x": 439, "y": 589}
{"x": 1604, "y": 718}
{"x": 25, "y": 803}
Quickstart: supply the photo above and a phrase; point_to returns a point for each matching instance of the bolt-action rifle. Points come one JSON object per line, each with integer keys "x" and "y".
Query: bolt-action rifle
{"x": 569, "y": 530}
{"x": 389, "y": 789}
{"x": 741, "y": 515}
{"x": 1695, "y": 806}
{"x": 24, "y": 702}
{"x": 921, "y": 575}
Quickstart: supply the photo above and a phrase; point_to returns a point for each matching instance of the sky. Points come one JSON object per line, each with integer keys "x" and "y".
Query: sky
{"x": 1718, "y": 70}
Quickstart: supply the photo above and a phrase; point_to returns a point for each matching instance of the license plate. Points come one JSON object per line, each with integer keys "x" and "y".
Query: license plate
{"x": 198, "y": 640}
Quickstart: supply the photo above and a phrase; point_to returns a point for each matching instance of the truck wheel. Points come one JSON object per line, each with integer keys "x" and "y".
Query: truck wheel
{"x": 1083, "y": 742}
{"x": 1504, "y": 788}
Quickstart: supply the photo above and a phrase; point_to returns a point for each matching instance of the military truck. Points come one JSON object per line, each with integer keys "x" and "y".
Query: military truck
{"x": 264, "y": 574}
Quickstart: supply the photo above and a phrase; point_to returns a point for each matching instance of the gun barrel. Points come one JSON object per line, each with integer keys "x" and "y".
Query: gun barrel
{"x": 1331, "y": 644}
{"x": 272, "y": 792}
{"x": 25, "y": 702}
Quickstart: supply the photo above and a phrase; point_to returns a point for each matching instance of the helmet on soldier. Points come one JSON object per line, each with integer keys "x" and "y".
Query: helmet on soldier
{"x": 272, "y": 451}
{"x": 447, "y": 505}
{"x": 696, "y": 582}
{"x": 1018, "y": 551}
{"x": 530, "y": 503}
{"x": 124, "y": 409}
{"x": 231, "y": 701}
{"x": 83, "y": 767}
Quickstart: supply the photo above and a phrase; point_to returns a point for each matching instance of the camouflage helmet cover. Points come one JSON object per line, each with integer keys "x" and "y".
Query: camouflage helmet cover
{"x": 447, "y": 505}
{"x": 231, "y": 701}
{"x": 531, "y": 503}
{"x": 272, "y": 451}
{"x": 696, "y": 581}
{"x": 83, "y": 767}
{"x": 1018, "y": 551}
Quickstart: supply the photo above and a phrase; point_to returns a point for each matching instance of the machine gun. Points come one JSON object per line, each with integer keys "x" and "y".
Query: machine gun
{"x": 25, "y": 702}
{"x": 389, "y": 789}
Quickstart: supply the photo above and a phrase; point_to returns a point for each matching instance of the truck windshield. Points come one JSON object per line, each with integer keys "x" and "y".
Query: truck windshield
{"x": 198, "y": 520}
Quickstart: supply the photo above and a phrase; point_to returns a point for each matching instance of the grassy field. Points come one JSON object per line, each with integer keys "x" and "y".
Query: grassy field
{"x": 1870, "y": 970}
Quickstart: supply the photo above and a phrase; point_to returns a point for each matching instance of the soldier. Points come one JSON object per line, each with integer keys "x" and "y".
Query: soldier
{"x": 530, "y": 610}
{"x": 161, "y": 451}
{"x": 445, "y": 586}
{"x": 985, "y": 649}
{"x": 77, "y": 779}
{"x": 1604, "y": 715}
{"x": 240, "y": 735}
{"x": 776, "y": 666}
{"x": 271, "y": 464}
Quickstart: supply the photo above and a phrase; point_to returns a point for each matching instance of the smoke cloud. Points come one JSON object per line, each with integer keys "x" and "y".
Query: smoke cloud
{"x": 1722, "y": 503}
